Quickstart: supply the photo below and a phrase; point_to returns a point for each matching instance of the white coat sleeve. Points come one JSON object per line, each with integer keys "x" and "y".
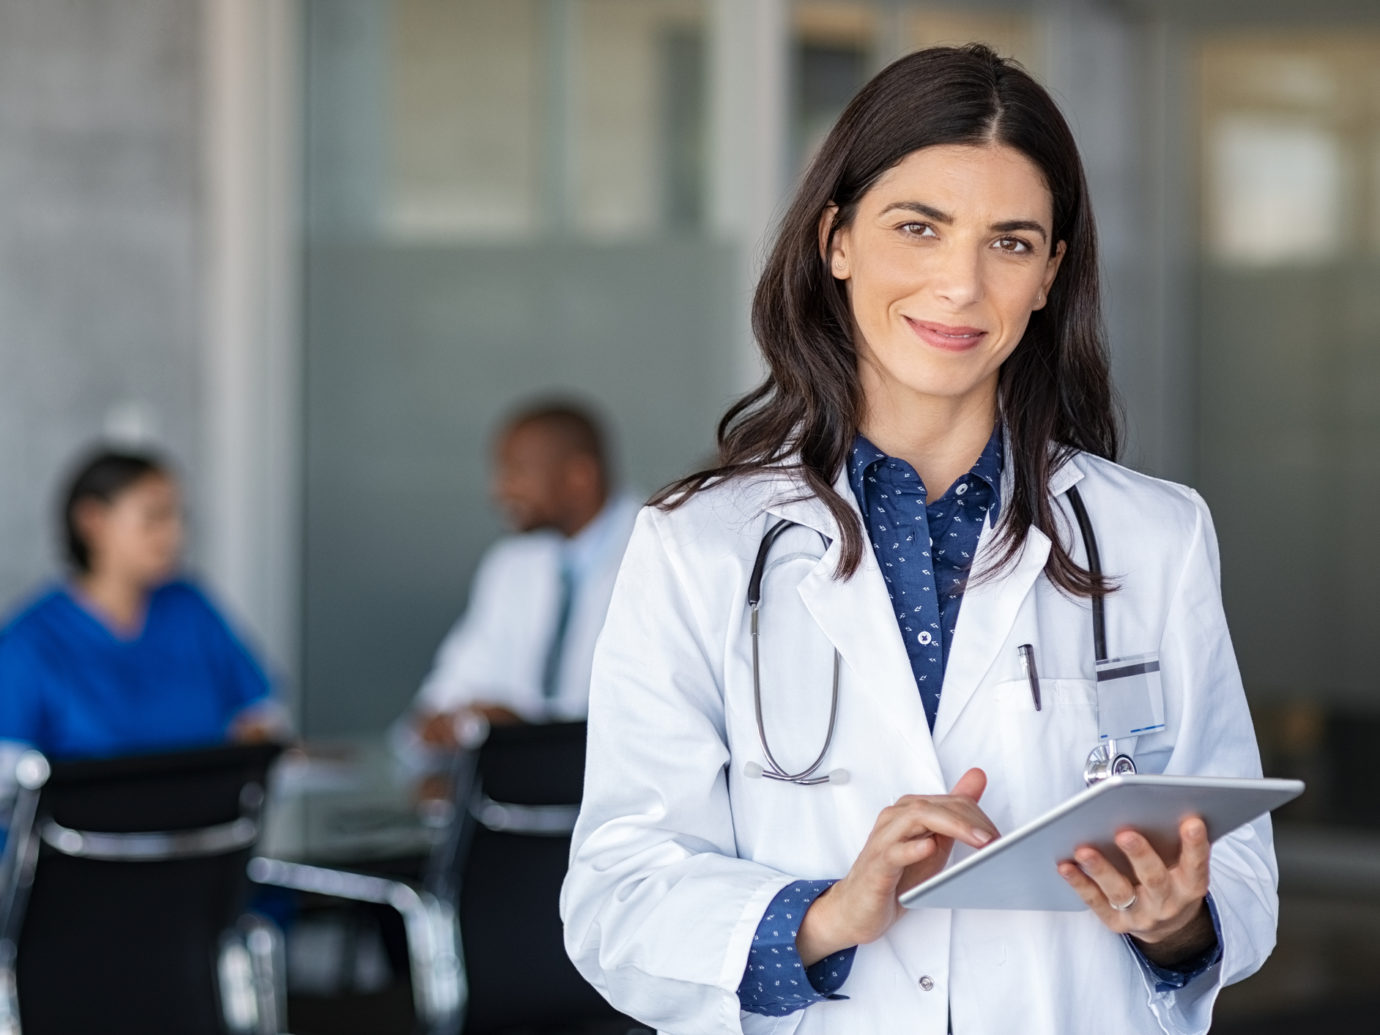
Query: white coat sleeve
{"x": 659, "y": 912}
{"x": 1216, "y": 738}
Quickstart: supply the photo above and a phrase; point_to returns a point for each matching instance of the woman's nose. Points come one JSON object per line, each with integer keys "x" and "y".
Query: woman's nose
{"x": 959, "y": 277}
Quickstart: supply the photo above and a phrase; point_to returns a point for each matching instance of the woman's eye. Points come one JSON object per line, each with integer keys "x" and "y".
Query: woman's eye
{"x": 918, "y": 229}
{"x": 1013, "y": 245}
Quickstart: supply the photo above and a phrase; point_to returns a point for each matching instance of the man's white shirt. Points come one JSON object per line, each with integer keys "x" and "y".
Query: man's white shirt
{"x": 497, "y": 652}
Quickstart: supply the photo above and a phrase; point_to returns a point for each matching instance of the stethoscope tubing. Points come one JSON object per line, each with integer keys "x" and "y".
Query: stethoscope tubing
{"x": 1099, "y": 620}
{"x": 773, "y": 769}
{"x": 1104, "y": 759}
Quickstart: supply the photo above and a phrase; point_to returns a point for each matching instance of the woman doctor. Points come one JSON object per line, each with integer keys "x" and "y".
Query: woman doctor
{"x": 938, "y": 387}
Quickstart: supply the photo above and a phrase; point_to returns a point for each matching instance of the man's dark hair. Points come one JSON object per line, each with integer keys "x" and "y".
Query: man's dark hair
{"x": 575, "y": 424}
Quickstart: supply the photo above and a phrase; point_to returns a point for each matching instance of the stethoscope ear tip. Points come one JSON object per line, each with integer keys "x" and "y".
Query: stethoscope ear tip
{"x": 839, "y": 776}
{"x": 752, "y": 771}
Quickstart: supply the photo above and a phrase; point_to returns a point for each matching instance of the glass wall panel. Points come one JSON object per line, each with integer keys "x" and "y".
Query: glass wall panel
{"x": 1289, "y": 320}
{"x": 492, "y": 188}
{"x": 840, "y": 44}
{"x": 465, "y": 88}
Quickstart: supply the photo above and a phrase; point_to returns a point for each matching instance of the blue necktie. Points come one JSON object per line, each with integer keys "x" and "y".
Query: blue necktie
{"x": 551, "y": 670}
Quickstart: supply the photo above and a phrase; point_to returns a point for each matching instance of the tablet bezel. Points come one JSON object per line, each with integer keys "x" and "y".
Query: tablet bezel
{"x": 1019, "y": 870}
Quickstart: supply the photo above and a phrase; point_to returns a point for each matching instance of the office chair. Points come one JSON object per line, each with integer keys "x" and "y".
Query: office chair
{"x": 497, "y": 875}
{"x": 122, "y": 887}
{"x": 503, "y": 865}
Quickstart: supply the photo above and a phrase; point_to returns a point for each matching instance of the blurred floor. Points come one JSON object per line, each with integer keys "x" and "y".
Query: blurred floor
{"x": 388, "y": 1012}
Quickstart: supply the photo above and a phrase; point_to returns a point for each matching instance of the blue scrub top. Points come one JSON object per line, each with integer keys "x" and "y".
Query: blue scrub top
{"x": 73, "y": 688}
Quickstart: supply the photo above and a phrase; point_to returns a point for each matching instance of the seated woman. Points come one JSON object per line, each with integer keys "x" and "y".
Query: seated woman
{"x": 125, "y": 657}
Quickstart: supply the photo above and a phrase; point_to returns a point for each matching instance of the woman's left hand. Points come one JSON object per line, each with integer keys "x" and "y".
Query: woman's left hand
{"x": 1165, "y": 908}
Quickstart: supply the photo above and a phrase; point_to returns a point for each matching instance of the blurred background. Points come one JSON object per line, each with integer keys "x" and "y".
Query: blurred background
{"x": 315, "y": 249}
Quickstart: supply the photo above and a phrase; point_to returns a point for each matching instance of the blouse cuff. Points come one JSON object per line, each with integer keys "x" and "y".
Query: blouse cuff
{"x": 776, "y": 981}
{"x": 1170, "y": 979}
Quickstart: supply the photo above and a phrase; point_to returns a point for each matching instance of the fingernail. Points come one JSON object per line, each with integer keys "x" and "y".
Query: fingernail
{"x": 981, "y": 836}
{"x": 1197, "y": 832}
{"x": 1126, "y": 841}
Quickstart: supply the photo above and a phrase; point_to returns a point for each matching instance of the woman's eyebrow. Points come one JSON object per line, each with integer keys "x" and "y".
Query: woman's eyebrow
{"x": 920, "y": 209}
{"x": 929, "y": 212}
{"x": 1012, "y": 225}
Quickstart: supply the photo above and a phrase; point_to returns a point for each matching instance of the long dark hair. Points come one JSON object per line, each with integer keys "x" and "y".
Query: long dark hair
{"x": 102, "y": 476}
{"x": 1054, "y": 390}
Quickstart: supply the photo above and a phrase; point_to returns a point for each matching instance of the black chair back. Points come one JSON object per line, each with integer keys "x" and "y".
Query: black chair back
{"x": 508, "y": 863}
{"x": 122, "y": 932}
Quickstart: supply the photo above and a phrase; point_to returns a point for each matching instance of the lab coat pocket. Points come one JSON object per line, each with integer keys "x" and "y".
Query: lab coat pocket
{"x": 1045, "y": 750}
{"x": 760, "y": 1024}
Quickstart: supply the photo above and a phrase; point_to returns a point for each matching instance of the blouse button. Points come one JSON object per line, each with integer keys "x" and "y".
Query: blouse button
{"x": 927, "y": 983}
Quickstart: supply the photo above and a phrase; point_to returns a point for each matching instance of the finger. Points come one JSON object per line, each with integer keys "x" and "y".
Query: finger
{"x": 1107, "y": 877}
{"x": 1092, "y": 895}
{"x": 908, "y": 853}
{"x": 958, "y": 818}
{"x": 1149, "y": 868}
{"x": 971, "y": 784}
{"x": 1195, "y": 854}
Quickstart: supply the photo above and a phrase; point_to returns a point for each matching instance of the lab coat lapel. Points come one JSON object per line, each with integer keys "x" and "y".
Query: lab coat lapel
{"x": 990, "y": 606}
{"x": 855, "y": 615}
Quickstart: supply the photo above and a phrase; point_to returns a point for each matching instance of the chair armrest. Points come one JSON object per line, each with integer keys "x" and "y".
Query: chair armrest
{"x": 433, "y": 941}
{"x": 150, "y": 846}
{"x": 506, "y": 817}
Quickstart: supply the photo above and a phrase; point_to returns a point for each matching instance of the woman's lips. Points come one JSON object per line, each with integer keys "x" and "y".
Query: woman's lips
{"x": 944, "y": 336}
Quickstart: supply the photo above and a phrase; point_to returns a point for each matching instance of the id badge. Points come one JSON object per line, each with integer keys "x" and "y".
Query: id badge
{"x": 1130, "y": 701}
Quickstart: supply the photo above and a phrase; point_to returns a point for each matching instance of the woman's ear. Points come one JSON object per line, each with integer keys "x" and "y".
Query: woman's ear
{"x": 830, "y": 247}
{"x": 1051, "y": 270}
{"x": 89, "y": 519}
{"x": 87, "y": 515}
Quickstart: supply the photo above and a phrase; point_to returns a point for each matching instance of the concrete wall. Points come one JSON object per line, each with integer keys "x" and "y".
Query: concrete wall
{"x": 101, "y": 277}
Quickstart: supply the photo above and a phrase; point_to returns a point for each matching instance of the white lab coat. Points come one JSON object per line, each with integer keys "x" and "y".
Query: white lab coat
{"x": 677, "y": 854}
{"x": 496, "y": 652}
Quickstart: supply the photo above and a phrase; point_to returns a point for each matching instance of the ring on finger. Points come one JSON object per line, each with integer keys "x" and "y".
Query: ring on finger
{"x": 1125, "y": 905}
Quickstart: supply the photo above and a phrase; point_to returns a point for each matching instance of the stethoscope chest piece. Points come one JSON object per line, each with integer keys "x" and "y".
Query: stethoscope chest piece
{"x": 1104, "y": 761}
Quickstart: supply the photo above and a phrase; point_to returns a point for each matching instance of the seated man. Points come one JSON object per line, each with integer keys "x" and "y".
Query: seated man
{"x": 523, "y": 648}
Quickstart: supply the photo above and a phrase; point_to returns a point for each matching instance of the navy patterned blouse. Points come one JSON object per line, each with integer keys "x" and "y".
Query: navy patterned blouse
{"x": 925, "y": 549}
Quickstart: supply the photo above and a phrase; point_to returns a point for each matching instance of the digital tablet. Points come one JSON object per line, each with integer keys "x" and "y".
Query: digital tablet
{"x": 1019, "y": 870}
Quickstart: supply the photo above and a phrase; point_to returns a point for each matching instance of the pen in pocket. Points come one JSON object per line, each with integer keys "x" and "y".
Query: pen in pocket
{"x": 1032, "y": 675}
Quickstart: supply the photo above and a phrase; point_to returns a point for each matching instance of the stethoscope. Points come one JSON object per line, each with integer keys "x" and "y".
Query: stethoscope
{"x": 1103, "y": 761}
{"x": 773, "y": 771}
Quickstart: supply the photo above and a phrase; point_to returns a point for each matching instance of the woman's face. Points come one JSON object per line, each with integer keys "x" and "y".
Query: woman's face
{"x": 946, "y": 257}
{"x": 138, "y": 534}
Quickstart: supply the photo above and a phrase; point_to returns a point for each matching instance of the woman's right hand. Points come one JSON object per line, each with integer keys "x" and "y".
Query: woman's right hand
{"x": 910, "y": 843}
